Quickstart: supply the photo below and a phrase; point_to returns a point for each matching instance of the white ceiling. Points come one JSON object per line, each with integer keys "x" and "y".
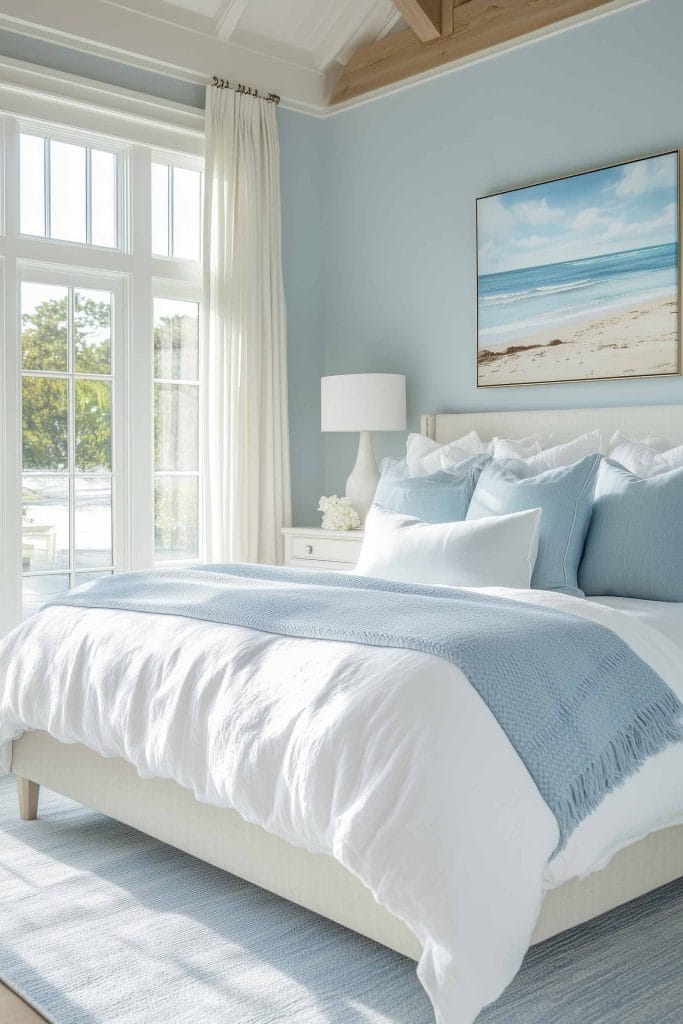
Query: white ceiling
{"x": 309, "y": 33}
{"x": 290, "y": 47}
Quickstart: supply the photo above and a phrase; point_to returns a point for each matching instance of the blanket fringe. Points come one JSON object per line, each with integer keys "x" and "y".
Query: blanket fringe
{"x": 653, "y": 729}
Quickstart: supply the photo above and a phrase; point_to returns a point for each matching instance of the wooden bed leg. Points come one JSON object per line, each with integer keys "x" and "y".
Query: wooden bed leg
{"x": 28, "y": 798}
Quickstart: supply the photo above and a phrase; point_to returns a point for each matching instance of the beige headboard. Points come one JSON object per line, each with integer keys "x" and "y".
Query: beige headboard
{"x": 559, "y": 425}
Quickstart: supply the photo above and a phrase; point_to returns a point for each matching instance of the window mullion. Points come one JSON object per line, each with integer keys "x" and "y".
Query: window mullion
{"x": 170, "y": 210}
{"x": 10, "y": 390}
{"x": 71, "y": 426}
{"x": 88, "y": 196}
{"x": 48, "y": 189}
{"x": 139, "y": 411}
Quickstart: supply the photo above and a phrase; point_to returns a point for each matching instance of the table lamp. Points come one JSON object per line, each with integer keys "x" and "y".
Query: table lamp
{"x": 363, "y": 402}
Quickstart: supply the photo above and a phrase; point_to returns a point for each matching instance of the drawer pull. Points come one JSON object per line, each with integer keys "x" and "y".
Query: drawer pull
{"x": 309, "y": 549}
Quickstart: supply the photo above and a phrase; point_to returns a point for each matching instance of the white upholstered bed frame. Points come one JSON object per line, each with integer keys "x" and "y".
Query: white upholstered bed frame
{"x": 221, "y": 837}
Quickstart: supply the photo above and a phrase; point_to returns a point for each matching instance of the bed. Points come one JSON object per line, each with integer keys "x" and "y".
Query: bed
{"x": 169, "y": 811}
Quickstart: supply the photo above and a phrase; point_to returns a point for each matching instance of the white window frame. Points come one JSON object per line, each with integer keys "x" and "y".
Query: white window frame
{"x": 188, "y": 163}
{"x": 35, "y": 273}
{"x": 187, "y": 292}
{"x": 137, "y": 276}
{"x": 59, "y": 133}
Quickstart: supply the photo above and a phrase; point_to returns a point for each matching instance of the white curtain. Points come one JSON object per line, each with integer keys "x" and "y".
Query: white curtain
{"x": 246, "y": 432}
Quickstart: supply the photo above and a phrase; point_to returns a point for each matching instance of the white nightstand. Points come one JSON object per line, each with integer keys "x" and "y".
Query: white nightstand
{"x": 322, "y": 549}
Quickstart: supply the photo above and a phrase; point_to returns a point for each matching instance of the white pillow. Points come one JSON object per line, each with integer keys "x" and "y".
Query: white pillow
{"x": 645, "y": 458}
{"x": 496, "y": 551}
{"x": 563, "y": 454}
{"x": 509, "y": 448}
{"x": 424, "y": 456}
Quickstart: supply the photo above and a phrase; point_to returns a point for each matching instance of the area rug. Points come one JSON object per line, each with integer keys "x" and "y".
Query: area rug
{"x": 101, "y": 925}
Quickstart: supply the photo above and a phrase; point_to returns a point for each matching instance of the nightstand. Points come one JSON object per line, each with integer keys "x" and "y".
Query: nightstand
{"x": 322, "y": 549}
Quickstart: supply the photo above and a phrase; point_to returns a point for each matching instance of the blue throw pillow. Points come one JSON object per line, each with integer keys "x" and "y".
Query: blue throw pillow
{"x": 566, "y": 496}
{"x": 634, "y": 546}
{"x": 442, "y": 497}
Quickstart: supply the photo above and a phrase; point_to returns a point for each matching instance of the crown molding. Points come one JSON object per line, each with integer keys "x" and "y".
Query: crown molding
{"x": 610, "y": 8}
{"x": 42, "y": 94}
{"x": 113, "y": 31}
{"x": 119, "y": 33}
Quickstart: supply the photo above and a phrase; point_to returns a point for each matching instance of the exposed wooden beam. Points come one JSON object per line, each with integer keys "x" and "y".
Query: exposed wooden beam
{"x": 447, "y": 17}
{"x": 478, "y": 25}
{"x": 422, "y": 16}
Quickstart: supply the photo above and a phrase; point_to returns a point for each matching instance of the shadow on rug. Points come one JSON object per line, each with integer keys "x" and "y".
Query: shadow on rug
{"x": 100, "y": 924}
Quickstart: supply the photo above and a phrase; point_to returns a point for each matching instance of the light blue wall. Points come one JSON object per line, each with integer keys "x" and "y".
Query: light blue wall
{"x": 401, "y": 180}
{"x": 100, "y": 69}
{"x": 378, "y": 211}
{"x": 302, "y": 183}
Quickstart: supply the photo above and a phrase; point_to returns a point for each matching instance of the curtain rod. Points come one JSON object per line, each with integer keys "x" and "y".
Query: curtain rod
{"x": 223, "y": 83}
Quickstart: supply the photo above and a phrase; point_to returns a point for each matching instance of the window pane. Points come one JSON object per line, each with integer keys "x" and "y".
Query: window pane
{"x": 37, "y": 590}
{"x": 92, "y": 331}
{"x": 44, "y": 424}
{"x": 88, "y": 577}
{"x": 103, "y": 198}
{"x": 92, "y": 541}
{"x": 67, "y": 192}
{"x": 160, "y": 209}
{"x": 32, "y": 185}
{"x": 93, "y": 425}
{"x": 176, "y": 339}
{"x": 176, "y": 427}
{"x": 45, "y": 523}
{"x": 176, "y": 516}
{"x": 186, "y": 213}
{"x": 44, "y": 317}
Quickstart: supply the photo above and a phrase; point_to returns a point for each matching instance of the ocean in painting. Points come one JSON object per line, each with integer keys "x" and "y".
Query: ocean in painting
{"x": 516, "y": 304}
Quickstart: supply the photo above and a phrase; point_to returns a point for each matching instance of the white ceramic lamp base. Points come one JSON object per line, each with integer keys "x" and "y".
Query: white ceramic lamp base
{"x": 362, "y": 483}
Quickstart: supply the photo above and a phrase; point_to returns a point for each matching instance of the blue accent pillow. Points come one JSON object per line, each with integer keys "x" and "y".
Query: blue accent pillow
{"x": 634, "y": 546}
{"x": 442, "y": 497}
{"x": 566, "y": 496}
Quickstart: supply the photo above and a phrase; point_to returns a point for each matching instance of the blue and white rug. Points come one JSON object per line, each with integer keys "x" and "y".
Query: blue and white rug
{"x": 101, "y": 925}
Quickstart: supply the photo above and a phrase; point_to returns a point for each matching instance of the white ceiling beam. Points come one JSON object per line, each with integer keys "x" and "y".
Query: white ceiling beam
{"x": 117, "y": 33}
{"x": 338, "y": 46}
{"x": 228, "y": 17}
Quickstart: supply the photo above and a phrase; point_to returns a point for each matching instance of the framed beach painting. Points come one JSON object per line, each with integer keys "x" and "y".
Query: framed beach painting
{"x": 578, "y": 278}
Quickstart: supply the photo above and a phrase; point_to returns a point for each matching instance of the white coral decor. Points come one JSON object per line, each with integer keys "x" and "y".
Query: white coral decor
{"x": 338, "y": 513}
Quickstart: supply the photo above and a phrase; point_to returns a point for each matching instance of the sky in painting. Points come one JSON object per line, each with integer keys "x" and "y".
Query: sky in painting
{"x": 612, "y": 210}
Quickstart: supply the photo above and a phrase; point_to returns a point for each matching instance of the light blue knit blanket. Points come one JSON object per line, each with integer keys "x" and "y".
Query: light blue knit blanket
{"x": 581, "y": 709}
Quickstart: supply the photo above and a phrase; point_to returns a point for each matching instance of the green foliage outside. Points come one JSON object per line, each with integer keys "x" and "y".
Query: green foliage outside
{"x": 44, "y": 400}
{"x": 45, "y": 429}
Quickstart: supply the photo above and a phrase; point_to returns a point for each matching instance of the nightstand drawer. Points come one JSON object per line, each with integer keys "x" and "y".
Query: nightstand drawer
{"x": 326, "y": 549}
{"x": 322, "y": 549}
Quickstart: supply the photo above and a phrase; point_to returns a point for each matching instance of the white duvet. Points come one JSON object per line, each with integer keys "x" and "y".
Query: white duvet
{"x": 389, "y": 760}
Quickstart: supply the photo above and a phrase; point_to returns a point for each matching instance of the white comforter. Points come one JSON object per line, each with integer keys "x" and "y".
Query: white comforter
{"x": 387, "y": 759}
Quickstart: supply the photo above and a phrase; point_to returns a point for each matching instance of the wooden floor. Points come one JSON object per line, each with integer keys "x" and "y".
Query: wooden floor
{"x": 14, "y": 1010}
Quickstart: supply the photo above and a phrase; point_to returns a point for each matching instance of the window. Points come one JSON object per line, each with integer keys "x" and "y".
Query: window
{"x": 68, "y": 191}
{"x": 67, "y": 380}
{"x": 176, "y": 429}
{"x": 100, "y": 410}
{"x": 176, "y": 211}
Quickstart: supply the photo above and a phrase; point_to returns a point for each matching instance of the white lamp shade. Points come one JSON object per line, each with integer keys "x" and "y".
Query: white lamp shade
{"x": 363, "y": 401}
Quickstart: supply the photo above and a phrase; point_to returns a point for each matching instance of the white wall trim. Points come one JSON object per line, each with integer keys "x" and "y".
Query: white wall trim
{"x": 29, "y": 91}
{"x": 447, "y": 69}
{"x": 117, "y": 33}
{"x": 105, "y": 29}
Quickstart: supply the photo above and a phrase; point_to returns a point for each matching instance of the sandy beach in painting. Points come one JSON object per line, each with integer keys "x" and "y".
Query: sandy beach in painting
{"x": 639, "y": 340}
{"x": 577, "y": 278}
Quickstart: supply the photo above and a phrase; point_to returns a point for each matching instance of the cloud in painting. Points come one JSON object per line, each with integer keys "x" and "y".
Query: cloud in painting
{"x": 646, "y": 176}
{"x": 611, "y": 210}
{"x": 537, "y": 212}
